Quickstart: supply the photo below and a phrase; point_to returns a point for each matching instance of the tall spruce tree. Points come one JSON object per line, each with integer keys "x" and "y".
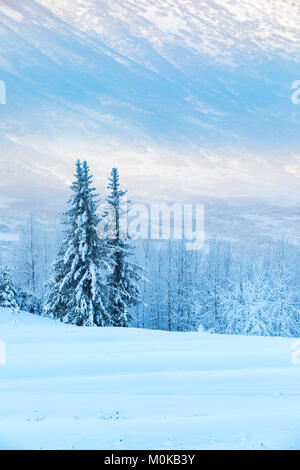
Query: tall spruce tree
{"x": 77, "y": 291}
{"x": 124, "y": 277}
{"x": 8, "y": 295}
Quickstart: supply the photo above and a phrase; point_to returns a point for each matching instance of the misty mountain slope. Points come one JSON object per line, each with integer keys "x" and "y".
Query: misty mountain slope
{"x": 66, "y": 387}
{"x": 215, "y": 28}
{"x": 50, "y": 66}
{"x": 191, "y": 101}
{"x": 66, "y": 68}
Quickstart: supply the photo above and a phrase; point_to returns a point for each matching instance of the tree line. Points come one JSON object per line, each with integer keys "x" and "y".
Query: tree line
{"x": 223, "y": 288}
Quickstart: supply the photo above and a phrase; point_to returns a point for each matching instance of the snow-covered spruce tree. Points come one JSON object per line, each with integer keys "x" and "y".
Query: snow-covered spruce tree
{"x": 7, "y": 291}
{"x": 125, "y": 276}
{"x": 77, "y": 290}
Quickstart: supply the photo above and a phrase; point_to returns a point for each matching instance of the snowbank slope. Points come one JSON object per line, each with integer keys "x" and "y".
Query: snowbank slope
{"x": 66, "y": 387}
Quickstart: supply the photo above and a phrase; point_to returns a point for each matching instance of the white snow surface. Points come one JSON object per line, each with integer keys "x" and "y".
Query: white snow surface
{"x": 67, "y": 387}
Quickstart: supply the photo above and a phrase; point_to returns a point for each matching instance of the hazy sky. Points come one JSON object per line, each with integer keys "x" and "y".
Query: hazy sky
{"x": 186, "y": 97}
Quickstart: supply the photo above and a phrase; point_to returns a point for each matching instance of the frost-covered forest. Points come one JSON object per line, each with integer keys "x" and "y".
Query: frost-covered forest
{"x": 65, "y": 271}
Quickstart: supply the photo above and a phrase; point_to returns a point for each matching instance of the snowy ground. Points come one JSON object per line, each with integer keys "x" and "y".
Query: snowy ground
{"x": 66, "y": 387}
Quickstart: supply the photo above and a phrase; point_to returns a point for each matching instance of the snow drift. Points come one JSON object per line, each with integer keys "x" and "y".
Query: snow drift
{"x": 68, "y": 387}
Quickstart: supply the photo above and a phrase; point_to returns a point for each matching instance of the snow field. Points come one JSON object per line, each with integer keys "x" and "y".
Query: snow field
{"x": 67, "y": 387}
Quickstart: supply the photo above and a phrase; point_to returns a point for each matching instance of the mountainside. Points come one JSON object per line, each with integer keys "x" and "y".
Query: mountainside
{"x": 190, "y": 101}
{"x": 120, "y": 73}
{"x": 216, "y": 28}
{"x": 162, "y": 75}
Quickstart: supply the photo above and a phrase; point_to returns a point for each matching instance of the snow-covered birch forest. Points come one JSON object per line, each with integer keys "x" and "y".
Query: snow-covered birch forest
{"x": 64, "y": 270}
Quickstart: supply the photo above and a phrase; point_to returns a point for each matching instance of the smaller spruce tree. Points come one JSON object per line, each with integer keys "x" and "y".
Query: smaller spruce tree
{"x": 124, "y": 276}
{"x": 8, "y": 295}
